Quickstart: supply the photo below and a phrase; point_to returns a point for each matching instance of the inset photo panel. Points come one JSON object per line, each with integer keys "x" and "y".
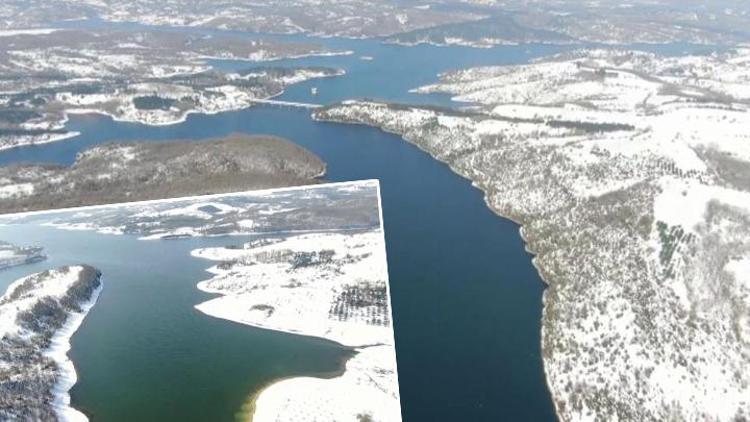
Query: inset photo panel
{"x": 269, "y": 305}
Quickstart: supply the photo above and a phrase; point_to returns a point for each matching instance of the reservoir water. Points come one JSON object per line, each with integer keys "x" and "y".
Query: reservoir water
{"x": 466, "y": 299}
{"x": 144, "y": 353}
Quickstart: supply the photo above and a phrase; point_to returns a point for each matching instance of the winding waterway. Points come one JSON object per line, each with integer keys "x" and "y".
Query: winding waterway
{"x": 467, "y": 301}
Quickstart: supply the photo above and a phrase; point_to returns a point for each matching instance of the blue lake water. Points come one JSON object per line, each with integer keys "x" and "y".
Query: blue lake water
{"x": 466, "y": 299}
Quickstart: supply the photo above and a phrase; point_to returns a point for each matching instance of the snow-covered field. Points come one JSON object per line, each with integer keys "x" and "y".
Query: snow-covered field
{"x": 302, "y": 294}
{"x": 367, "y": 391}
{"x": 332, "y": 285}
{"x": 114, "y": 173}
{"x": 11, "y": 255}
{"x": 630, "y": 174}
{"x": 43, "y": 308}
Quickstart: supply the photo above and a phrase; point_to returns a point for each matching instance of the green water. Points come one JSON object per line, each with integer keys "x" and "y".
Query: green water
{"x": 144, "y": 352}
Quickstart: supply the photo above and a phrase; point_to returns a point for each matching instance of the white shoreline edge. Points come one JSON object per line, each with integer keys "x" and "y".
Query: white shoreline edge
{"x": 314, "y": 54}
{"x": 182, "y": 118}
{"x": 257, "y": 394}
{"x": 66, "y": 372}
{"x": 188, "y": 198}
{"x": 57, "y": 138}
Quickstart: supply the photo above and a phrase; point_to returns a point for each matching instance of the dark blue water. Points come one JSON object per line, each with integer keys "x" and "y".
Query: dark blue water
{"x": 466, "y": 299}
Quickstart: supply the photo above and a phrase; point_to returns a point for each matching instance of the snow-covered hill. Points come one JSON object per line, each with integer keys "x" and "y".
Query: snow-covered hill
{"x": 630, "y": 174}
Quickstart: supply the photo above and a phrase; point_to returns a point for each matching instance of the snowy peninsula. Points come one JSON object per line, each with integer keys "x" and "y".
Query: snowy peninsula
{"x": 630, "y": 175}
{"x": 331, "y": 285}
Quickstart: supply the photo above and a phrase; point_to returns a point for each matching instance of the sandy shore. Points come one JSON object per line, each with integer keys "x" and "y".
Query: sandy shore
{"x": 247, "y": 411}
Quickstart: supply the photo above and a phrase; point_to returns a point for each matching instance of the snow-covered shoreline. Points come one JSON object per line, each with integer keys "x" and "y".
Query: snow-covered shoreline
{"x": 58, "y": 351}
{"x": 235, "y": 284}
{"x": 12, "y": 255}
{"x": 39, "y": 314}
{"x": 20, "y": 142}
{"x": 153, "y": 78}
{"x": 339, "y": 392}
{"x": 369, "y": 379}
{"x": 271, "y": 59}
{"x": 330, "y": 282}
{"x": 167, "y": 120}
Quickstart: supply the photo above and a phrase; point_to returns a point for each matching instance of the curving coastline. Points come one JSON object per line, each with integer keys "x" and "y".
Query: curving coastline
{"x": 39, "y": 314}
{"x": 166, "y": 78}
{"x": 108, "y": 174}
{"x": 331, "y": 285}
{"x": 300, "y": 397}
{"x": 601, "y": 194}
{"x": 247, "y": 411}
{"x": 236, "y": 100}
{"x": 309, "y": 272}
{"x": 58, "y": 352}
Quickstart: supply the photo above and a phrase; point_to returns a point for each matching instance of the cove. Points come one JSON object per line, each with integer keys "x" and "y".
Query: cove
{"x": 144, "y": 353}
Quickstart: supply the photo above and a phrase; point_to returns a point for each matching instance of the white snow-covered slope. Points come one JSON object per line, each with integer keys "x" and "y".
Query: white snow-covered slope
{"x": 332, "y": 285}
{"x": 630, "y": 173}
